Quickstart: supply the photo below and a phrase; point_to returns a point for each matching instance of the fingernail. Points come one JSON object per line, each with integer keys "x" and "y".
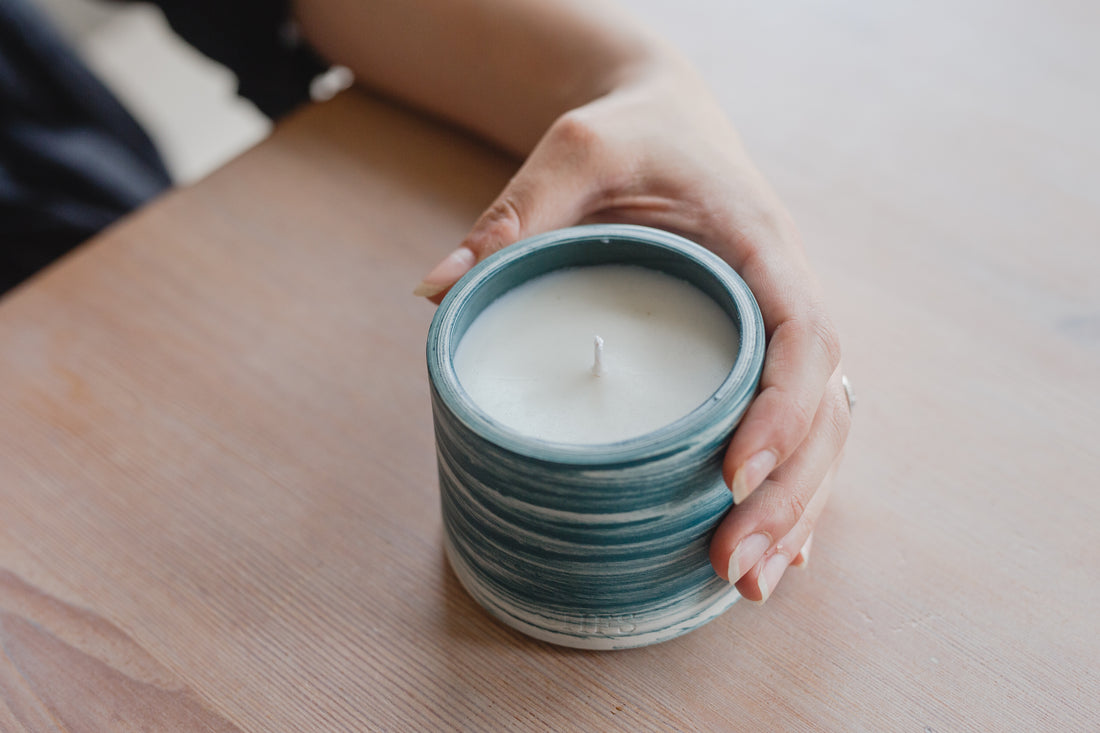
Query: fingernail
{"x": 773, "y": 570}
{"x": 802, "y": 559}
{"x": 747, "y": 553}
{"x": 446, "y": 273}
{"x": 751, "y": 474}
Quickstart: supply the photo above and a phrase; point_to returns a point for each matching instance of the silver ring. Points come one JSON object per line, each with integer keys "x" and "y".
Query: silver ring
{"x": 848, "y": 392}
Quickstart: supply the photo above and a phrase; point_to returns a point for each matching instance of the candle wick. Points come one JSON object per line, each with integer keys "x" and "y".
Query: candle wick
{"x": 598, "y": 367}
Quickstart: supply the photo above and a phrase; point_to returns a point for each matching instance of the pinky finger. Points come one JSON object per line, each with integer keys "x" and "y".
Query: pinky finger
{"x": 803, "y": 556}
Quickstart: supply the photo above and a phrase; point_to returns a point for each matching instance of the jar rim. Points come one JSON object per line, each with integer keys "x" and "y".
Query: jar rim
{"x": 584, "y": 246}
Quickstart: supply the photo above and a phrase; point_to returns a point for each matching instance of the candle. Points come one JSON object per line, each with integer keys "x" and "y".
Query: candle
{"x": 596, "y": 354}
{"x": 585, "y": 384}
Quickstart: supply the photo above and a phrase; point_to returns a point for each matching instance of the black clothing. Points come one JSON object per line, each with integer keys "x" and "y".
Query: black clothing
{"x": 72, "y": 159}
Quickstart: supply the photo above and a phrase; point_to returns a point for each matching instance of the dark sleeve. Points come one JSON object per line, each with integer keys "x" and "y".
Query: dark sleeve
{"x": 254, "y": 39}
{"x": 72, "y": 159}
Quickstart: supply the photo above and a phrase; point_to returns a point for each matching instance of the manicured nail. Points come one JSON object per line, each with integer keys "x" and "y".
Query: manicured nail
{"x": 747, "y": 553}
{"x": 751, "y": 474}
{"x": 446, "y": 273}
{"x": 802, "y": 559}
{"x": 769, "y": 576}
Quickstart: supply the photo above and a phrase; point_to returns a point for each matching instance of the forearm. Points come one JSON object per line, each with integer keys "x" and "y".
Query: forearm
{"x": 502, "y": 68}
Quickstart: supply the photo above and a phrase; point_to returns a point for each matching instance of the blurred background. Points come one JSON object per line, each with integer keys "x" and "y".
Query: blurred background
{"x": 187, "y": 103}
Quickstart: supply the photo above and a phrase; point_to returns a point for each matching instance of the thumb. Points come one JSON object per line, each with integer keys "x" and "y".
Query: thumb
{"x": 544, "y": 194}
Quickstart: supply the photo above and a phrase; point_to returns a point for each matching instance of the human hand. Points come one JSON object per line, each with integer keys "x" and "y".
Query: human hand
{"x": 657, "y": 151}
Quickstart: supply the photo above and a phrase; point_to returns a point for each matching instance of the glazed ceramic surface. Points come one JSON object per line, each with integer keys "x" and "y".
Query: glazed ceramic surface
{"x": 592, "y": 546}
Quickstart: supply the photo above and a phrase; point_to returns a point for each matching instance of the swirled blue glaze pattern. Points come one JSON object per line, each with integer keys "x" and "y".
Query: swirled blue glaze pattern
{"x": 591, "y": 546}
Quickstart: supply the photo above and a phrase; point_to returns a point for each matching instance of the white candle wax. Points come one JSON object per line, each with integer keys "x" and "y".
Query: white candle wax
{"x": 528, "y": 359}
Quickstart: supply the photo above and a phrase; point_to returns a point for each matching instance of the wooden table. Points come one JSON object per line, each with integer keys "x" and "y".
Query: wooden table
{"x": 218, "y": 503}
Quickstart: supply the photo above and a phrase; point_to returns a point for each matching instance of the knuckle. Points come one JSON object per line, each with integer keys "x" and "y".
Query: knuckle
{"x": 574, "y": 127}
{"x": 827, "y": 339}
{"x": 783, "y": 509}
{"x": 839, "y": 414}
{"x": 500, "y": 225}
{"x": 795, "y": 507}
{"x": 814, "y": 331}
{"x": 578, "y": 137}
{"x": 802, "y": 415}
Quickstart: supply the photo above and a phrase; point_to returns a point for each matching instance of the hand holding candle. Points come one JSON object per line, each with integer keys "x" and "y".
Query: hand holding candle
{"x": 616, "y": 127}
{"x": 657, "y": 151}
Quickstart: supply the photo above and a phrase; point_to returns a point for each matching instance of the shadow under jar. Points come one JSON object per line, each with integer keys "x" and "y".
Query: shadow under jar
{"x": 583, "y": 541}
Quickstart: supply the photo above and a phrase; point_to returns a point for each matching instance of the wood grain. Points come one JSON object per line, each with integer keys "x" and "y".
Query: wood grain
{"x": 64, "y": 668}
{"x": 218, "y": 502}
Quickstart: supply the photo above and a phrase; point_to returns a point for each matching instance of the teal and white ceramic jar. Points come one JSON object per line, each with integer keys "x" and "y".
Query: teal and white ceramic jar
{"x": 589, "y": 543}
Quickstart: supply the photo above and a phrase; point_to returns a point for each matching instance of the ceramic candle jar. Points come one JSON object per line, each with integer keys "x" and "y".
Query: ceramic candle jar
{"x": 599, "y": 545}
